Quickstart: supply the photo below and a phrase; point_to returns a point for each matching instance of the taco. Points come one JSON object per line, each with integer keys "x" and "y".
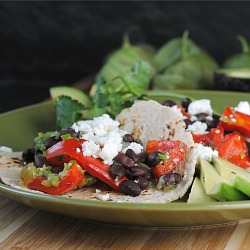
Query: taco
{"x": 149, "y": 123}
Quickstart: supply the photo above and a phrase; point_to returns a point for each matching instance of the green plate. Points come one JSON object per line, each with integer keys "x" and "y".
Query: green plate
{"x": 19, "y": 127}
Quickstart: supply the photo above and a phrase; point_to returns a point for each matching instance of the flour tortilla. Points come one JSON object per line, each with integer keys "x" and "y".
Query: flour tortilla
{"x": 146, "y": 120}
{"x": 10, "y": 168}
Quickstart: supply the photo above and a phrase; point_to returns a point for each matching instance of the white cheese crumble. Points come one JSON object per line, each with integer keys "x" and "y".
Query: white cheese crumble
{"x": 200, "y": 106}
{"x": 243, "y": 107}
{"x": 103, "y": 197}
{"x": 136, "y": 147}
{"x": 205, "y": 152}
{"x": 4, "y": 149}
{"x": 104, "y": 138}
{"x": 197, "y": 127}
{"x": 90, "y": 148}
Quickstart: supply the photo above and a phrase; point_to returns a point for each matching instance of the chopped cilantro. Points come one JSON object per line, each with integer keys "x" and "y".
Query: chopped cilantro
{"x": 110, "y": 96}
{"x": 163, "y": 157}
{"x": 40, "y": 139}
{"x": 66, "y": 136}
{"x": 68, "y": 111}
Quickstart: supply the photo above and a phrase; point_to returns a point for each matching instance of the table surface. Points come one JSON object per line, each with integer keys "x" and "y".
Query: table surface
{"x": 24, "y": 227}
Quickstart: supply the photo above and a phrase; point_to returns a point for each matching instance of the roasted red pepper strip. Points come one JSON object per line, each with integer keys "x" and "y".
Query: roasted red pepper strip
{"x": 234, "y": 149}
{"x": 212, "y": 138}
{"x": 175, "y": 152}
{"x": 232, "y": 120}
{"x": 73, "y": 178}
{"x": 70, "y": 149}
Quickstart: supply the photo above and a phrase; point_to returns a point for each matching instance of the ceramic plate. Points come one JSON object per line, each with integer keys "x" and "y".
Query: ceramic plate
{"x": 19, "y": 127}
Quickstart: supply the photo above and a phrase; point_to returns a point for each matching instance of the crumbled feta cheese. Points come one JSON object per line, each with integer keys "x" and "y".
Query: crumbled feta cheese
{"x": 193, "y": 118}
{"x": 90, "y": 148}
{"x": 82, "y": 126}
{"x": 197, "y": 127}
{"x": 112, "y": 146}
{"x": 103, "y": 197}
{"x": 136, "y": 147}
{"x": 200, "y": 106}
{"x": 209, "y": 118}
{"x": 243, "y": 107}
{"x": 4, "y": 149}
{"x": 103, "y": 137}
{"x": 102, "y": 125}
{"x": 205, "y": 152}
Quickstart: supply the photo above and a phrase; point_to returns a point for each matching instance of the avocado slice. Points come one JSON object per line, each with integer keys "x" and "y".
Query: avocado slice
{"x": 217, "y": 186}
{"x": 233, "y": 79}
{"x": 74, "y": 93}
{"x": 238, "y": 177}
{"x": 198, "y": 194}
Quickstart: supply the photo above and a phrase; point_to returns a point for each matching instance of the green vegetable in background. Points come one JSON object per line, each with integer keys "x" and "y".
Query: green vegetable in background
{"x": 110, "y": 96}
{"x": 240, "y": 60}
{"x": 189, "y": 67}
{"x": 122, "y": 59}
{"x": 172, "y": 52}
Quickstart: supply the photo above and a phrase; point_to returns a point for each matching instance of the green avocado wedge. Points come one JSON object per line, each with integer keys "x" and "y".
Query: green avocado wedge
{"x": 217, "y": 186}
{"x": 198, "y": 194}
{"x": 238, "y": 177}
{"x": 74, "y": 93}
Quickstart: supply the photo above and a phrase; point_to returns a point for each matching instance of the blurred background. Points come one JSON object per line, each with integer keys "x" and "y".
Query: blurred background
{"x": 43, "y": 44}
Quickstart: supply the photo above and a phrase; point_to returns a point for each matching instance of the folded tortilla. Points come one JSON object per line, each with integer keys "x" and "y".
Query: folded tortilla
{"x": 146, "y": 120}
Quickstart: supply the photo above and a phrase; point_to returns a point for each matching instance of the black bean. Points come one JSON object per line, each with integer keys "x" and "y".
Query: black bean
{"x": 28, "y": 155}
{"x": 169, "y": 103}
{"x": 185, "y": 103}
{"x": 39, "y": 161}
{"x": 138, "y": 171}
{"x": 124, "y": 160}
{"x": 49, "y": 142}
{"x": 152, "y": 159}
{"x": 172, "y": 178}
{"x": 131, "y": 154}
{"x": 213, "y": 123}
{"x": 117, "y": 170}
{"x": 128, "y": 138}
{"x": 143, "y": 182}
{"x": 70, "y": 131}
{"x": 187, "y": 122}
{"x": 142, "y": 157}
{"x": 201, "y": 117}
{"x": 130, "y": 187}
{"x": 56, "y": 169}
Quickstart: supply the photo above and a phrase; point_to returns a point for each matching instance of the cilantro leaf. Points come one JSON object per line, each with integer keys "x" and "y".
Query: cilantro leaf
{"x": 112, "y": 96}
{"x": 68, "y": 111}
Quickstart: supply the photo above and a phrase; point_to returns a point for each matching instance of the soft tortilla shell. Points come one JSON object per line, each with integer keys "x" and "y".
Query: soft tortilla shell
{"x": 148, "y": 119}
{"x": 151, "y": 120}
